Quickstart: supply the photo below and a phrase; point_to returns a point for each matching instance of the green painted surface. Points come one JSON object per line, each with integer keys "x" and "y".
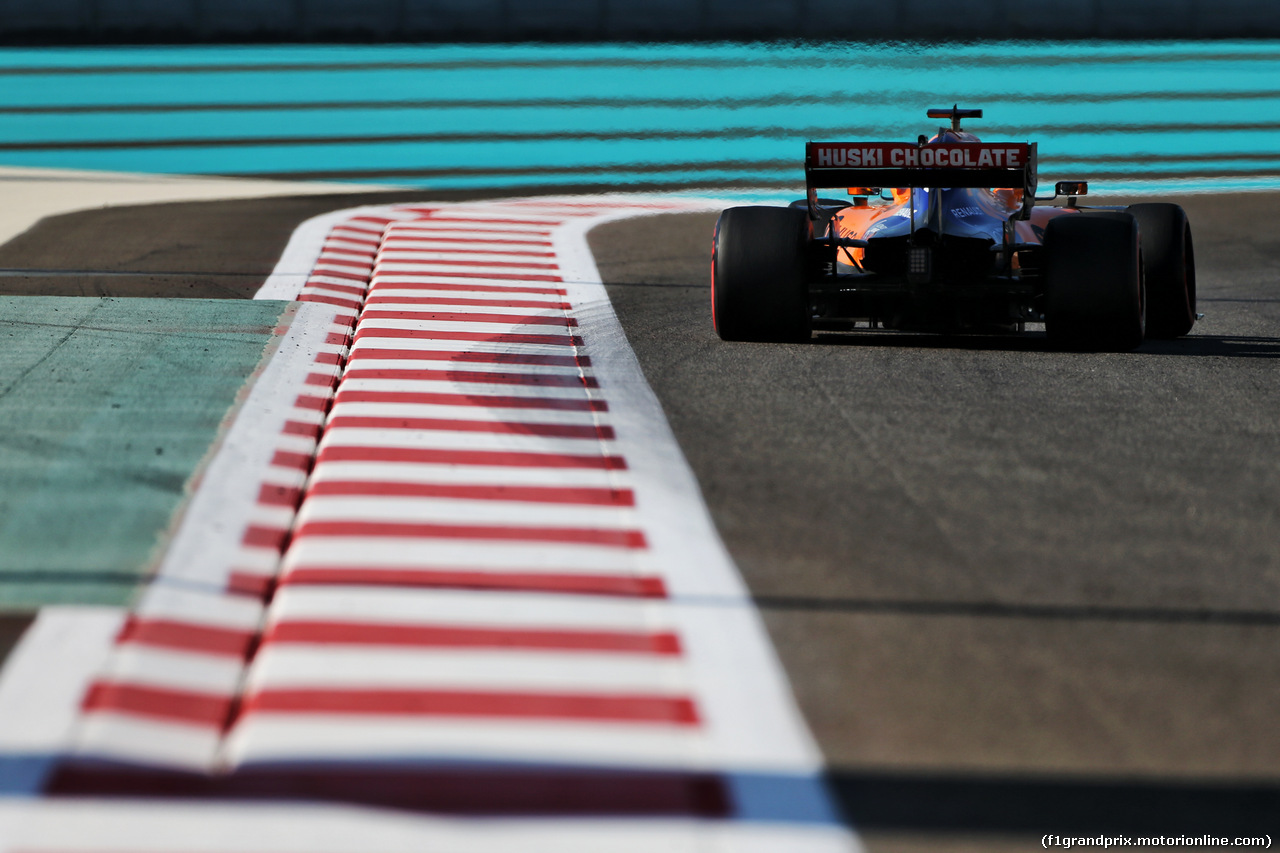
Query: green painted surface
{"x": 107, "y": 408}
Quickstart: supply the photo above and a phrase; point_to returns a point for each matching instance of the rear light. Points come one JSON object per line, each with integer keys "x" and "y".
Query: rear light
{"x": 919, "y": 264}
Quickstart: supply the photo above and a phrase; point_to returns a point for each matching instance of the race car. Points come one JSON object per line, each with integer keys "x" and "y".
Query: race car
{"x": 943, "y": 234}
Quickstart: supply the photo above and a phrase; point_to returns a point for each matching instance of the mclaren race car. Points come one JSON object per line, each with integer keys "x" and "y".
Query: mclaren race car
{"x": 943, "y": 234}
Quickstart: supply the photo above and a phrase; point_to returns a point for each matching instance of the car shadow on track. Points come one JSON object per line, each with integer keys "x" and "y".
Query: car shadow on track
{"x": 1230, "y": 346}
{"x": 1071, "y": 805}
{"x": 1030, "y": 342}
{"x": 1193, "y": 345}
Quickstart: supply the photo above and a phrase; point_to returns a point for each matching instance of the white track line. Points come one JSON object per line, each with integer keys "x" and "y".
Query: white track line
{"x": 44, "y": 677}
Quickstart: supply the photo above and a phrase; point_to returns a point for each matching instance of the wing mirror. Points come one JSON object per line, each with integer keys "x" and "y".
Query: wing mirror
{"x": 862, "y": 195}
{"x": 1070, "y": 189}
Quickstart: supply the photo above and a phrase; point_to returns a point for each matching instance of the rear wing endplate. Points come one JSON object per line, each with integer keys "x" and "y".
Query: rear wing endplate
{"x": 935, "y": 164}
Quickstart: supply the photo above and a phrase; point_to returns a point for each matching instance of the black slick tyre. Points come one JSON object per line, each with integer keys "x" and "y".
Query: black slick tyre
{"x": 1093, "y": 282}
{"x": 1168, "y": 260}
{"x": 758, "y": 286}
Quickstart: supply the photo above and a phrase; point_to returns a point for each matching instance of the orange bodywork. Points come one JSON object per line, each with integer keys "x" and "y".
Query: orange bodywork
{"x": 853, "y": 222}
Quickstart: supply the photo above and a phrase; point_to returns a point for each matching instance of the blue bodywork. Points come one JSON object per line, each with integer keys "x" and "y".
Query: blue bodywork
{"x": 955, "y": 212}
{"x": 960, "y": 212}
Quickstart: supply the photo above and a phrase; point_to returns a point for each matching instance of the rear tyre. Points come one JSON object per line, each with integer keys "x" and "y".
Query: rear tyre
{"x": 1170, "y": 266}
{"x": 758, "y": 286}
{"x": 1093, "y": 282}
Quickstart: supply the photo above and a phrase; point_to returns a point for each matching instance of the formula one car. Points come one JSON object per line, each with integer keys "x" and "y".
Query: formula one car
{"x": 956, "y": 244}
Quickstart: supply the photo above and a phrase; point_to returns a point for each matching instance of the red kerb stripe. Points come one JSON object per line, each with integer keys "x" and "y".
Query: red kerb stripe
{"x": 392, "y": 244}
{"x": 349, "y": 231}
{"x": 325, "y": 262}
{"x": 481, "y": 377}
{"x": 341, "y": 288}
{"x": 340, "y": 301}
{"x": 386, "y": 268}
{"x": 677, "y": 711}
{"x": 379, "y": 299}
{"x": 261, "y": 536}
{"x": 481, "y": 492}
{"x": 330, "y": 272}
{"x": 534, "y": 231}
{"x": 486, "y": 337}
{"x": 352, "y": 236}
{"x": 289, "y": 459}
{"x": 484, "y": 400}
{"x": 471, "y": 317}
{"x": 458, "y": 456}
{"x": 186, "y": 636}
{"x": 272, "y": 494}
{"x": 309, "y": 430}
{"x": 583, "y": 431}
{"x": 250, "y": 584}
{"x": 364, "y": 245}
{"x": 432, "y": 265}
{"x": 472, "y": 356}
{"x": 344, "y": 256}
{"x": 380, "y": 284}
{"x": 454, "y": 636}
{"x": 535, "y": 223}
{"x": 364, "y": 239}
{"x": 484, "y": 532}
{"x": 178, "y": 706}
{"x": 311, "y": 403}
{"x": 628, "y": 586}
{"x": 496, "y": 240}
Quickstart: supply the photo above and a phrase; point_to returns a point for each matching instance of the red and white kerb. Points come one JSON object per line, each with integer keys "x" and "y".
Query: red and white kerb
{"x": 476, "y": 578}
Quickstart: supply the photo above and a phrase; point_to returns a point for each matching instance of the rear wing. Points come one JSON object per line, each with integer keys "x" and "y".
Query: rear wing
{"x": 933, "y": 164}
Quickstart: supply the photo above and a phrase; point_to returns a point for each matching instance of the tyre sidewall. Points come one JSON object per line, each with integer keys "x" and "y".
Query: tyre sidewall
{"x": 1169, "y": 264}
{"x": 1093, "y": 282}
{"x": 758, "y": 286}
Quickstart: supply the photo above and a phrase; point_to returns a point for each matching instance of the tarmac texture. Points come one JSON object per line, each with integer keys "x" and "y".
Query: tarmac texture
{"x": 989, "y": 566}
{"x": 200, "y": 250}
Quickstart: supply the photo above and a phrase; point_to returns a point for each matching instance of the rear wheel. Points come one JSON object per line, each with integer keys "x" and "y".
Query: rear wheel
{"x": 758, "y": 286}
{"x": 1093, "y": 282}
{"x": 1169, "y": 262}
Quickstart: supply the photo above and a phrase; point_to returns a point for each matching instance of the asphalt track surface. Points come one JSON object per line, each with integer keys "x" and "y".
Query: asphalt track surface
{"x": 1017, "y": 591}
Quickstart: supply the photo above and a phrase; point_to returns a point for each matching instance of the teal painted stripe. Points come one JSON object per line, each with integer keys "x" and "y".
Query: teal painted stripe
{"x": 442, "y": 115}
{"x": 712, "y": 120}
{"x": 800, "y": 80}
{"x": 109, "y": 406}
{"x": 504, "y": 160}
{"x": 1065, "y": 53}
